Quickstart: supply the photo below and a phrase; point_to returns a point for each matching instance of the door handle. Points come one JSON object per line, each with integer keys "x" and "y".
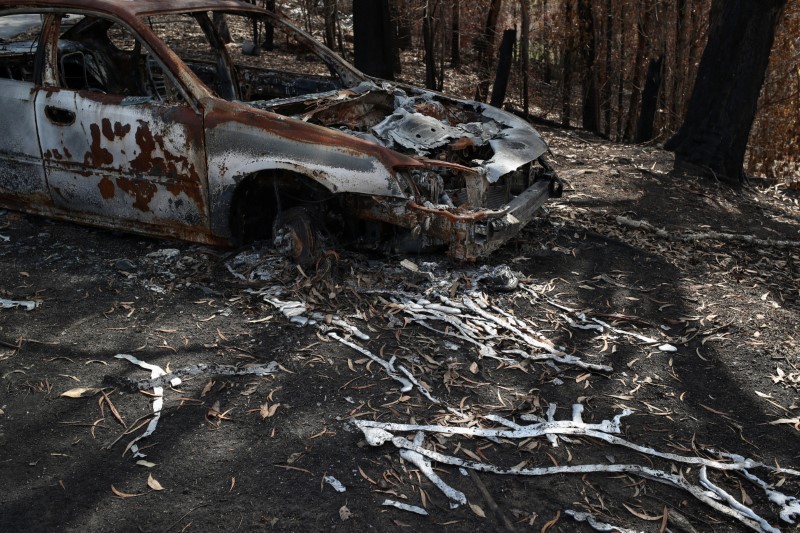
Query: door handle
{"x": 59, "y": 115}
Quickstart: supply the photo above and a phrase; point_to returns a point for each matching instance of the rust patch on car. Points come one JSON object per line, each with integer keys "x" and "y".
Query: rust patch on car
{"x": 190, "y": 190}
{"x": 106, "y": 188}
{"x": 118, "y": 130}
{"x": 97, "y": 155}
{"x": 142, "y": 192}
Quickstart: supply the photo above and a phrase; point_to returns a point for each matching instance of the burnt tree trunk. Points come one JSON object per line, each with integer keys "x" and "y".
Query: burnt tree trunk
{"x": 394, "y": 18}
{"x": 569, "y": 53}
{"x": 591, "y": 101}
{"x": 403, "y": 25}
{"x": 713, "y": 136}
{"x": 372, "y": 38}
{"x": 330, "y": 13}
{"x": 524, "y": 54}
{"x": 647, "y": 118}
{"x": 455, "y": 35}
{"x": 608, "y": 70}
{"x": 485, "y": 45}
{"x": 269, "y": 29}
{"x": 681, "y": 70}
{"x": 642, "y": 44}
{"x": 430, "y": 49}
{"x": 503, "y": 68}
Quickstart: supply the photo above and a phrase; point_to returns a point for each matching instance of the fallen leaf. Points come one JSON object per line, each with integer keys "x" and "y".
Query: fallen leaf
{"x": 153, "y": 483}
{"x": 118, "y": 493}
{"x": 473, "y": 367}
{"x": 643, "y": 516}
{"x": 477, "y": 510}
{"x": 365, "y": 476}
{"x": 233, "y": 484}
{"x": 148, "y": 464}
{"x": 344, "y": 513}
{"x": 80, "y": 392}
{"x": 551, "y": 523}
{"x": 114, "y": 410}
{"x": 268, "y": 410}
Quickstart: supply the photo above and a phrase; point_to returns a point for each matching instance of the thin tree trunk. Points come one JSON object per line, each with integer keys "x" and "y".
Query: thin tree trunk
{"x": 503, "y": 68}
{"x": 486, "y": 50}
{"x": 620, "y": 109}
{"x": 427, "y": 39}
{"x": 637, "y": 81}
{"x": 455, "y": 34}
{"x": 569, "y": 46}
{"x": 547, "y": 45}
{"x": 591, "y": 104}
{"x": 269, "y": 29}
{"x": 609, "y": 70}
{"x": 330, "y": 10}
{"x": 681, "y": 70}
{"x": 524, "y": 53}
{"x": 646, "y": 126}
{"x": 404, "y": 37}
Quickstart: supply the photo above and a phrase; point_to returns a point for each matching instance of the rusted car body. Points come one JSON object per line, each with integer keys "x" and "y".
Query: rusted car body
{"x": 174, "y": 119}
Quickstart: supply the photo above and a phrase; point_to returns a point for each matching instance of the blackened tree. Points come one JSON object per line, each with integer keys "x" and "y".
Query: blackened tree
{"x": 372, "y": 38}
{"x": 713, "y": 136}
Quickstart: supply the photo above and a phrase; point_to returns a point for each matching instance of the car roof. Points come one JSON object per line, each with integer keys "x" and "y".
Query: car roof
{"x": 132, "y": 7}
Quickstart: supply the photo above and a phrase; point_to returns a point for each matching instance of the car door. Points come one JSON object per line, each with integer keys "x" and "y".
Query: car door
{"x": 22, "y": 178}
{"x": 116, "y": 153}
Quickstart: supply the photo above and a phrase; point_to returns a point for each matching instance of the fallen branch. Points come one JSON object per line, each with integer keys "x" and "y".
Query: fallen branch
{"x": 378, "y": 433}
{"x": 709, "y": 235}
{"x": 374, "y": 436}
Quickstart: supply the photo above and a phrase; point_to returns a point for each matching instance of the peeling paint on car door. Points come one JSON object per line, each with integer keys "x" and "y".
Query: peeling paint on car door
{"x": 130, "y": 161}
{"x": 140, "y": 163}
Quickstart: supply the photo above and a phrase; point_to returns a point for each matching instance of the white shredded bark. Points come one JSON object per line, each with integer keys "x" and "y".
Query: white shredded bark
{"x": 790, "y": 506}
{"x": 335, "y": 483}
{"x": 580, "y": 516}
{"x": 733, "y": 503}
{"x": 158, "y": 401}
{"x": 28, "y": 305}
{"x": 378, "y": 433}
{"x": 388, "y": 366}
{"x": 375, "y": 437}
{"x": 405, "y": 507}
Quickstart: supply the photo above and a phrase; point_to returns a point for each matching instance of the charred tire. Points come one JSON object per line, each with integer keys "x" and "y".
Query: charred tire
{"x": 297, "y": 235}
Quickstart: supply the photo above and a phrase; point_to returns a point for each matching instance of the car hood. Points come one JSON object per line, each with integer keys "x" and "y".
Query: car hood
{"x": 424, "y": 124}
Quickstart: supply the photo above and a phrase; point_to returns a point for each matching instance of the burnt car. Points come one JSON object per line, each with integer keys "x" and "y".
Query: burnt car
{"x": 219, "y": 122}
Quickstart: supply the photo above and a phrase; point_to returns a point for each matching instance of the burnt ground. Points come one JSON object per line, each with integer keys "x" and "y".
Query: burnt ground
{"x": 250, "y": 452}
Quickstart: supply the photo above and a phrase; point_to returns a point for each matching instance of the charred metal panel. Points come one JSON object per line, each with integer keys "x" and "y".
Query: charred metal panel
{"x": 249, "y": 141}
{"x": 21, "y": 173}
{"x": 134, "y": 161}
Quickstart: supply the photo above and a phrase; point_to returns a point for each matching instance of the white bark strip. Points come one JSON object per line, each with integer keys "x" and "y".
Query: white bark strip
{"x": 405, "y": 507}
{"x": 596, "y": 525}
{"x": 158, "y": 401}
{"x": 790, "y": 506}
{"x": 28, "y": 305}
{"x": 707, "y": 497}
{"x": 387, "y": 365}
{"x": 731, "y": 501}
{"x": 378, "y": 433}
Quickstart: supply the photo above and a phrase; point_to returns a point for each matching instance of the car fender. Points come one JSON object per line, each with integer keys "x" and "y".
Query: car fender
{"x": 242, "y": 141}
